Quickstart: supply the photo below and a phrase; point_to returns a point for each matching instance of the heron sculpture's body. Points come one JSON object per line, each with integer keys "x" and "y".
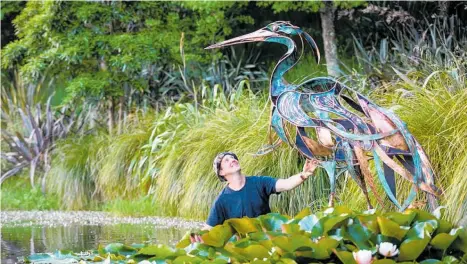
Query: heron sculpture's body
{"x": 340, "y": 127}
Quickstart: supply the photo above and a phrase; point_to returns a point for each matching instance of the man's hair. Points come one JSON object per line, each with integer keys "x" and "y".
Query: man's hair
{"x": 216, "y": 164}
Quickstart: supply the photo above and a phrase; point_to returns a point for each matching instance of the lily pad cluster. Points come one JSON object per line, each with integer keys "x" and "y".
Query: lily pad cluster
{"x": 337, "y": 235}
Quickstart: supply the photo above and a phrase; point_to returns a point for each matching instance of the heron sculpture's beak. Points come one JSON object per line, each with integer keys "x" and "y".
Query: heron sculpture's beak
{"x": 258, "y": 35}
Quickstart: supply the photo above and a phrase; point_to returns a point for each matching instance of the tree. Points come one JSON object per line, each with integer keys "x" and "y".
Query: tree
{"x": 106, "y": 51}
{"x": 327, "y": 10}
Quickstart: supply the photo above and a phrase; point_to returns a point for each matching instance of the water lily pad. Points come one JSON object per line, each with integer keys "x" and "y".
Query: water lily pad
{"x": 390, "y": 228}
{"x": 369, "y": 222}
{"x": 308, "y": 222}
{"x": 218, "y": 235}
{"x": 330, "y": 222}
{"x": 383, "y": 261}
{"x": 339, "y": 210}
{"x": 292, "y": 243}
{"x": 421, "y": 215}
{"x": 443, "y": 241}
{"x": 461, "y": 241}
{"x": 357, "y": 234}
{"x": 345, "y": 256}
{"x": 244, "y": 225}
{"x": 187, "y": 259}
{"x": 417, "y": 239}
{"x": 249, "y": 252}
{"x": 303, "y": 213}
{"x": 272, "y": 221}
{"x": 286, "y": 261}
{"x": 431, "y": 261}
{"x": 403, "y": 219}
{"x": 119, "y": 248}
{"x": 291, "y": 228}
{"x": 160, "y": 251}
{"x": 324, "y": 247}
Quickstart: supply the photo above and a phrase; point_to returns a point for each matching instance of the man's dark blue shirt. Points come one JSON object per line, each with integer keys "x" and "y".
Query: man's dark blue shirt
{"x": 251, "y": 200}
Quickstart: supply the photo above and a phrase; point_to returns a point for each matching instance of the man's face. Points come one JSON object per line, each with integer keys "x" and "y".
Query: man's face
{"x": 229, "y": 165}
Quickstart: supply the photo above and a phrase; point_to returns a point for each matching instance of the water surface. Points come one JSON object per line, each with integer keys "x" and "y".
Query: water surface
{"x": 20, "y": 238}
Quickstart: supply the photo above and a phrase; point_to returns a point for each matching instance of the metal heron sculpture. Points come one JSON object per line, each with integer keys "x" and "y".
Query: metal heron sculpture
{"x": 339, "y": 126}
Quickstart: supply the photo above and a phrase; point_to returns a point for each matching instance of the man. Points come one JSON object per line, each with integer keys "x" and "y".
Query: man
{"x": 248, "y": 196}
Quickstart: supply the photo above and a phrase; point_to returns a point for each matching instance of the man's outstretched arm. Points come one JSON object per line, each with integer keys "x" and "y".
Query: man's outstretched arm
{"x": 295, "y": 180}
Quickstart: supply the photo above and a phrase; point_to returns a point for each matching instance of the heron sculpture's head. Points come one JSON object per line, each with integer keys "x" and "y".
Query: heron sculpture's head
{"x": 274, "y": 32}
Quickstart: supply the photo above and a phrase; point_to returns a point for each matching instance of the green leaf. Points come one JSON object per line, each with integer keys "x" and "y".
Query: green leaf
{"x": 119, "y": 248}
{"x": 403, "y": 219}
{"x": 443, "y": 241}
{"x": 187, "y": 259}
{"x": 369, "y": 222}
{"x": 356, "y": 233}
{"x": 418, "y": 238}
{"x": 249, "y": 252}
{"x": 291, "y": 229}
{"x": 390, "y": 228}
{"x": 329, "y": 222}
{"x": 244, "y": 225}
{"x": 303, "y": 213}
{"x": 345, "y": 256}
{"x": 286, "y": 261}
{"x": 185, "y": 241}
{"x": 461, "y": 241}
{"x": 444, "y": 226}
{"x": 272, "y": 221}
{"x": 431, "y": 261}
{"x": 292, "y": 243}
{"x": 383, "y": 261}
{"x": 160, "y": 251}
{"x": 308, "y": 222}
{"x": 421, "y": 215}
{"x": 339, "y": 210}
{"x": 324, "y": 247}
{"x": 218, "y": 235}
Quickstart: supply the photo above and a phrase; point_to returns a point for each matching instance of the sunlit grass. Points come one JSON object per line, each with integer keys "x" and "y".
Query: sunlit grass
{"x": 17, "y": 194}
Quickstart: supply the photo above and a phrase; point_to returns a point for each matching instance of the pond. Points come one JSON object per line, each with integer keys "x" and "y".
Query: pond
{"x": 25, "y": 235}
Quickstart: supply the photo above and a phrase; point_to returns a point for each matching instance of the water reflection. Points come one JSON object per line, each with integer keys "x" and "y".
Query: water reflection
{"x": 23, "y": 241}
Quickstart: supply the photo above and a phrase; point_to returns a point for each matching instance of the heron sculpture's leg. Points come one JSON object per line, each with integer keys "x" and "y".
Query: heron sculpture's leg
{"x": 362, "y": 185}
{"x": 330, "y": 168}
{"x": 407, "y": 162}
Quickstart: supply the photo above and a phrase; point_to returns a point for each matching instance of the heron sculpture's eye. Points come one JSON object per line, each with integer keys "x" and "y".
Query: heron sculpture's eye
{"x": 273, "y": 27}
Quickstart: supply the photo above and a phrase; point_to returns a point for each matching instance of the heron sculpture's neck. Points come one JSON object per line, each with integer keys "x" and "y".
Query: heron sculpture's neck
{"x": 277, "y": 83}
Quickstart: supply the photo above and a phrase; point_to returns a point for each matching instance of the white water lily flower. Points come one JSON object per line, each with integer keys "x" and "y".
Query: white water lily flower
{"x": 388, "y": 249}
{"x": 107, "y": 260}
{"x": 362, "y": 256}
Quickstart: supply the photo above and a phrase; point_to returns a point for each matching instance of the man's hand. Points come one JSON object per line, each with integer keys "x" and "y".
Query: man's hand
{"x": 195, "y": 238}
{"x": 295, "y": 180}
{"x": 310, "y": 167}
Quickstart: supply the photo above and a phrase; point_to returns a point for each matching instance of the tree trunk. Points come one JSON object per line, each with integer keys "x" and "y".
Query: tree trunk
{"x": 329, "y": 39}
{"x": 110, "y": 112}
{"x": 120, "y": 114}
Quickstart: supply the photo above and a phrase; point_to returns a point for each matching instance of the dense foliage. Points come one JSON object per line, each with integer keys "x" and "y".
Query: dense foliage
{"x": 333, "y": 235}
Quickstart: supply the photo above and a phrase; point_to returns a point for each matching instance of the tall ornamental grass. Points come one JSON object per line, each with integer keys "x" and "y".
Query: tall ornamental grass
{"x": 74, "y": 170}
